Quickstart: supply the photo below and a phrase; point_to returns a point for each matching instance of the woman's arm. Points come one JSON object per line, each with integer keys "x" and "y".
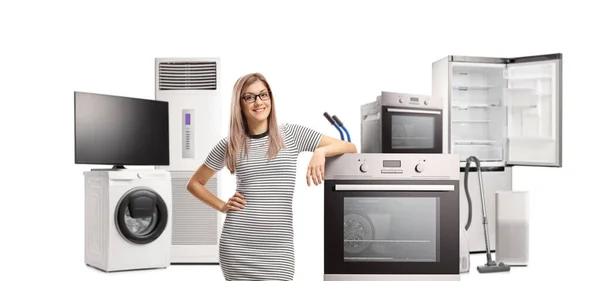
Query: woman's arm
{"x": 332, "y": 147}
{"x": 196, "y": 186}
{"x": 327, "y": 147}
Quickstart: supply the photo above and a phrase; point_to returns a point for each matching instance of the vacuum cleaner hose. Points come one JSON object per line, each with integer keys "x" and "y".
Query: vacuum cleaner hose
{"x": 483, "y": 207}
{"x": 469, "y": 202}
{"x": 491, "y": 265}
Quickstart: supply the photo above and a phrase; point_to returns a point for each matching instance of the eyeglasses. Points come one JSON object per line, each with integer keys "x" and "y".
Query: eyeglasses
{"x": 250, "y": 98}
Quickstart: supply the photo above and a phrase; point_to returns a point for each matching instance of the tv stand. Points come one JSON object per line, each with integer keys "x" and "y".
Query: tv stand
{"x": 114, "y": 168}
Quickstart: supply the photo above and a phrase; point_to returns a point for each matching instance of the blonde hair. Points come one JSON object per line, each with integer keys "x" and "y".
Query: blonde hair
{"x": 238, "y": 124}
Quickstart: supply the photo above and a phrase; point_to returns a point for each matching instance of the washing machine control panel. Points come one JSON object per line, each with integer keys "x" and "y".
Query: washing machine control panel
{"x": 384, "y": 165}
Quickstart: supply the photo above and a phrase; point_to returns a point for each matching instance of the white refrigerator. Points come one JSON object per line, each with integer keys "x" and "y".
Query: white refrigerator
{"x": 504, "y": 111}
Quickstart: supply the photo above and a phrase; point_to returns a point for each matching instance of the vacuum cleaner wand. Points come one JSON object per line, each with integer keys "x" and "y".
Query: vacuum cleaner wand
{"x": 339, "y": 123}
{"x": 491, "y": 265}
{"x": 334, "y": 124}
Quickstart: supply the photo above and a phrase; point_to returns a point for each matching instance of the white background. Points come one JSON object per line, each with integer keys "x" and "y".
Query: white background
{"x": 316, "y": 56}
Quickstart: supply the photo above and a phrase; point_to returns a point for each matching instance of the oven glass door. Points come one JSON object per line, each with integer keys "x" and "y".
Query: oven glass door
{"x": 411, "y": 130}
{"x": 371, "y": 230}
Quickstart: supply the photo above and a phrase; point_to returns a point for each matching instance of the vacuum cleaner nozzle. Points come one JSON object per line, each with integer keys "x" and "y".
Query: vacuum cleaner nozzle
{"x": 492, "y": 267}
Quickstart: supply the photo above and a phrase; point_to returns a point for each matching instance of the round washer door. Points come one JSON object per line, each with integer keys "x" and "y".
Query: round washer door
{"x": 141, "y": 216}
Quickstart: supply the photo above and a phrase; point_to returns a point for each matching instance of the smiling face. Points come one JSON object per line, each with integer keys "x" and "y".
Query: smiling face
{"x": 256, "y": 103}
{"x": 253, "y": 112}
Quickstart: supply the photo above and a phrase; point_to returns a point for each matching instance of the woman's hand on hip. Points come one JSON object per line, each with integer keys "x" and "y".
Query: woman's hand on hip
{"x": 316, "y": 168}
{"x": 236, "y": 203}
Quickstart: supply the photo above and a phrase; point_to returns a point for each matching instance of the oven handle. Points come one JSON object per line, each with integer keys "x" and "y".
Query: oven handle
{"x": 413, "y": 111}
{"x": 391, "y": 187}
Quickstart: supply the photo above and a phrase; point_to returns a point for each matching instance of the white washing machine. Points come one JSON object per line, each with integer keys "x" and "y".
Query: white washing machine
{"x": 127, "y": 219}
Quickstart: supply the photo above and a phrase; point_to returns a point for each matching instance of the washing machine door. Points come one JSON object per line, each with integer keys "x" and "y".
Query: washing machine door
{"x": 141, "y": 216}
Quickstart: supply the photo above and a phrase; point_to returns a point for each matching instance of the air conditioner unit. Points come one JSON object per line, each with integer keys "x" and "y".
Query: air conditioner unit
{"x": 191, "y": 86}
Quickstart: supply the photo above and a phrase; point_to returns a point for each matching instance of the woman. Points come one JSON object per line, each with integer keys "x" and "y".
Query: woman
{"x": 257, "y": 238}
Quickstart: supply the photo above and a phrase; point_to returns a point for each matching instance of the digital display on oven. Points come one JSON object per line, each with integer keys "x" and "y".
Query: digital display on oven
{"x": 414, "y": 99}
{"x": 392, "y": 164}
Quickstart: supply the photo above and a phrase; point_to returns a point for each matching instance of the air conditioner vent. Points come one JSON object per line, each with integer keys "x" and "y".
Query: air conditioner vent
{"x": 187, "y": 76}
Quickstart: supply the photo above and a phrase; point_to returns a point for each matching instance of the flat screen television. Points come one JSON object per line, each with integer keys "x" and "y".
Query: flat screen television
{"x": 115, "y": 130}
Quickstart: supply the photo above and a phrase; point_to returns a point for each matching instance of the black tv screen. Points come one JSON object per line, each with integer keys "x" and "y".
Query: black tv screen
{"x": 115, "y": 130}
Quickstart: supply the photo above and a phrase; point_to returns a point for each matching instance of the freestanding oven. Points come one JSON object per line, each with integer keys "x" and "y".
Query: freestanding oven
{"x": 392, "y": 217}
{"x": 403, "y": 123}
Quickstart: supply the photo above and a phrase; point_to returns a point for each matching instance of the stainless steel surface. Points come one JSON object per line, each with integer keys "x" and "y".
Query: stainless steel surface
{"x": 559, "y": 113}
{"x": 405, "y": 100}
{"x": 372, "y": 114}
{"x": 395, "y": 187}
{"x": 442, "y": 76}
{"x": 396, "y": 166}
{"x": 478, "y": 59}
{"x": 384, "y": 277}
{"x": 414, "y": 111}
{"x": 442, "y": 84}
{"x": 370, "y": 127}
{"x": 556, "y": 56}
{"x": 383, "y": 221}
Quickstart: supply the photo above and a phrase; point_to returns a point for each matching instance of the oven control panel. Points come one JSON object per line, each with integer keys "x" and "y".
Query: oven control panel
{"x": 393, "y": 165}
{"x": 410, "y": 100}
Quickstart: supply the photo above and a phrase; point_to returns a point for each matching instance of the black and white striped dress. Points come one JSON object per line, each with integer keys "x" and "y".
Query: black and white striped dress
{"x": 257, "y": 242}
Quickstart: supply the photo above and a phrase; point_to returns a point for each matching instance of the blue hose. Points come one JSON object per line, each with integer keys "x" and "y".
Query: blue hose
{"x": 334, "y": 124}
{"x": 338, "y": 128}
{"x": 338, "y": 122}
{"x": 347, "y": 134}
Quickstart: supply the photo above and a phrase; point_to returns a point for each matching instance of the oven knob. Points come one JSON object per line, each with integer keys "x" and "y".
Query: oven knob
{"x": 364, "y": 168}
{"x": 401, "y": 100}
{"x": 419, "y": 168}
{"x": 426, "y": 102}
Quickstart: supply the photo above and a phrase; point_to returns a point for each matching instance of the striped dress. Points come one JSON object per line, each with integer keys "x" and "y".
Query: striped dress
{"x": 257, "y": 242}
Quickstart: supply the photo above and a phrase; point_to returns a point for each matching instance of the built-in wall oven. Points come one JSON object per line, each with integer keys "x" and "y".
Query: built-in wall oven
{"x": 391, "y": 217}
{"x": 403, "y": 123}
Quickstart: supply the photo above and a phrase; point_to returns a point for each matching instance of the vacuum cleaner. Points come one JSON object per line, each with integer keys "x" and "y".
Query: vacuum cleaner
{"x": 491, "y": 266}
{"x": 337, "y": 123}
